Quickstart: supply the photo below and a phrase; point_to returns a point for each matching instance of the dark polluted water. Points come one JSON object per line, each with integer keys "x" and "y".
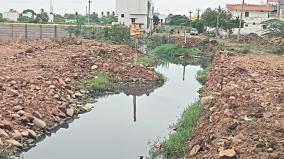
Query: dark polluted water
{"x": 121, "y": 126}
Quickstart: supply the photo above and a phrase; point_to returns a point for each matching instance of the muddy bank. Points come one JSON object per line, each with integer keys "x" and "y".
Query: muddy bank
{"x": 37, "y": 83}
{"x": 244, "y": 102}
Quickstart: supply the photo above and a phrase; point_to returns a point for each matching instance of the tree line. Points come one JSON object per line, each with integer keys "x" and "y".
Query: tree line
{"x": 43, "y": 17}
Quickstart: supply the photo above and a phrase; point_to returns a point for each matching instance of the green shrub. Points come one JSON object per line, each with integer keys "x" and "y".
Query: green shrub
{"x": 102, "y": 81}
{"x": 278, "y": 50}
{"x": 175, "y": 146}
{"x": 244, "y": 50}
{"x": 148, "y": 59}
{"x": 202, "y": 75}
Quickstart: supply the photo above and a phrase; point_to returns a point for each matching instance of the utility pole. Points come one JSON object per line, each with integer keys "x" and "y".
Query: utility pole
{"x": 89, "y": 11}
{"x": 198, "y": 13}
{"x": 278, "y": 10}
{"x": 241, "y": 21}
{"x": 190, "y": 17}
{"x": 218, "y": 19}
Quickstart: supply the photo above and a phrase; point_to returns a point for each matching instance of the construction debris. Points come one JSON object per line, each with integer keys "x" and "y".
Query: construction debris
{"x": 245, "y": 114}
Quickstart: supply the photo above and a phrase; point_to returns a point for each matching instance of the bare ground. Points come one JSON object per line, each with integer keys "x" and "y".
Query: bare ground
{"x": 37, "y": 82}
{"x": 244, "y": 109}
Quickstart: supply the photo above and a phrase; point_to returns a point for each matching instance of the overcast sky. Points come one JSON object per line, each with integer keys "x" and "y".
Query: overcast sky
{"x": 71, "y": 6}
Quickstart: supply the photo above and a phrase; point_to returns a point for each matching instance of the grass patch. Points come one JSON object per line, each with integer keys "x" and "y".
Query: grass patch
{"x": 148, "y": 59}
{"x": 278, "y": 50}
{"x": 175, "y": 146}
{"x": 5, "y": 154}
{"x": 202, "y": 75}
{"x": 244, "y": 50}
{"x": 171, "y": 50}
{"x": 102, "y": 81}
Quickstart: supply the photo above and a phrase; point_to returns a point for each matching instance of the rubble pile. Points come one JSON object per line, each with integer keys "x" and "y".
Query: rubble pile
{"x": 190, "y": 43}
{"x": 37, "y": 83}
{"x": 251, "y": 38}
{"x": 277, "y": 41}
{"x": 244, "y": 102}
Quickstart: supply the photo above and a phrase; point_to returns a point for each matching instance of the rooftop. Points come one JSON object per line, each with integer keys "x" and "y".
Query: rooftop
{"x": 249, "y": 7}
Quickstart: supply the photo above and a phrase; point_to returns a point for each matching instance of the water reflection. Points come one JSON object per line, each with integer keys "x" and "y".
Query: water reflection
{"x": 121, "y": 125}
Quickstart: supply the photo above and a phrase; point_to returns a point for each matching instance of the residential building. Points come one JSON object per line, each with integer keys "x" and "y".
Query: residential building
{"x": 278, "y": 7}
{"x": 135, "y": 12}
{"x": 253, "y": 16}
{"x": 12, "y": 15}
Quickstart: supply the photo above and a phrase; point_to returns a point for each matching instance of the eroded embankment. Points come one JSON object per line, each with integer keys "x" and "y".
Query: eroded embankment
{"x": 38, "y": 83}
{"x": 244, "y": 108}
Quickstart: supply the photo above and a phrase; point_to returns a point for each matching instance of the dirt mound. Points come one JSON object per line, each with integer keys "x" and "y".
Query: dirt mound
{"x": 37, "y": 82}
{"x": 277, "y": 41}
{"x": 245, "y": 109}
{"x": 250, "y": 38}
{"x": 191, "y": 42}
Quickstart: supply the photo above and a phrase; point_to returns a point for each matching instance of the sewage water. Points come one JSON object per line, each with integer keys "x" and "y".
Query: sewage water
{"x": 120, "y": 127}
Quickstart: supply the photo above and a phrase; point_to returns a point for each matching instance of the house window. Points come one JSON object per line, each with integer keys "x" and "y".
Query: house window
{"x": 133, "y": 20}
{"x": 122, "y": 15}
{"x": 264, "y": 26}
{"x": 246, "y": 14}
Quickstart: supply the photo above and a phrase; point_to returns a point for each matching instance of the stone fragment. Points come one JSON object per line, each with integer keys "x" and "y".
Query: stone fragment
{"x": 39, "y": 123}
{"x": 194, "y": 150}
{"x": 228, "y": 154}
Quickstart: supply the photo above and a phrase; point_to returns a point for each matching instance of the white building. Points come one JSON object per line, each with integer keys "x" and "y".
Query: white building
{"x": 253, "y": 16}
{"x": 12, "y": 15}
{"x": 135, "y": 11}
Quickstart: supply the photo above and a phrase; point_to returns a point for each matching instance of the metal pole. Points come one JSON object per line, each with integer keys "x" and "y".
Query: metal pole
{"x": 278, "y": 9}
{"x": 198, "y": 14}
{"x": 241, "y": 21}
{"x": 55, "y": 32}
{"x": 26, "y": 31}
{"x": 89, "y": 11}
{"x": 40, "y": 32}
{"x": 185, "y": 38}
{"x": 218, "y": 18}
{"x": 12, "y": 31}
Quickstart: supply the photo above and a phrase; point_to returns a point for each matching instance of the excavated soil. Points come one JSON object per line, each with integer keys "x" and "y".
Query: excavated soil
{"x": 245, "y": 110}
{"x": 37, "y": 82}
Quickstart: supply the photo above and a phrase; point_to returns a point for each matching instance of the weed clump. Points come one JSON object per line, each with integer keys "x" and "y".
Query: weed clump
{"x": 102, "y": 81}
{"x": 202, "y": 75}
{"x": 171, "y": 50}
{"x": 175, "y": 146}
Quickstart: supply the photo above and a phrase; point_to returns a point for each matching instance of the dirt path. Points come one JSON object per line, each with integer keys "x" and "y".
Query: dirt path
{"x": 245, "y": 109}
{"x": 37, "y": 83}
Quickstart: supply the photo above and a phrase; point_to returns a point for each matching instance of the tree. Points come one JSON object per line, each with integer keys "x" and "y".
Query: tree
{"x": 198, "y": 24}
{"x": 24, "y": 18}
{"x": 30, "y": 11}
{"x": 42, "y": 17}
{"x": 94, "y": 18}
{"x": 274, "y": 28}
{"x": 156, "y": 20}
{"x": 59, "y": 18}
{"x": 210, "y": 17}
{"x": 178, "y": 20}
